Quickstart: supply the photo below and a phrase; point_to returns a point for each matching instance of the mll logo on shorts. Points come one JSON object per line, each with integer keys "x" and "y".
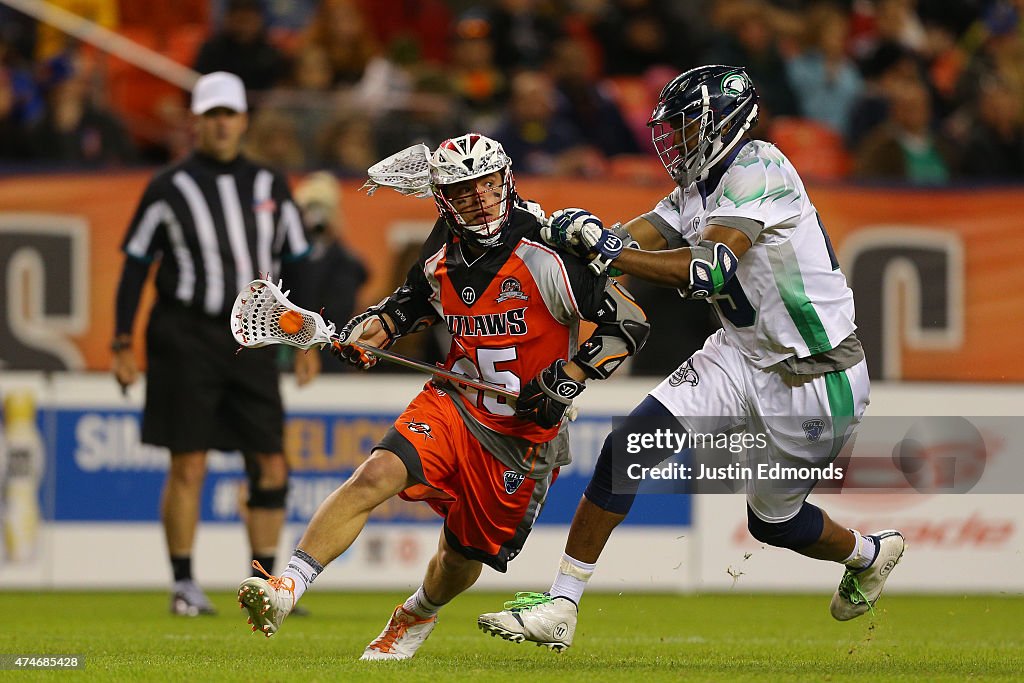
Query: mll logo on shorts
{"x": 813, "y": 429}
{"x": 513, "y": 480}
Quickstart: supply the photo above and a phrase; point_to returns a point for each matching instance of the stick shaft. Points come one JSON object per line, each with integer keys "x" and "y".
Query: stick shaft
{"x": 438, "y": 372}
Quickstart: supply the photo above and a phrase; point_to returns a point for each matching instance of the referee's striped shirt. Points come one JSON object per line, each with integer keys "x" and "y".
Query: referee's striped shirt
{"x": 214, "y": 228}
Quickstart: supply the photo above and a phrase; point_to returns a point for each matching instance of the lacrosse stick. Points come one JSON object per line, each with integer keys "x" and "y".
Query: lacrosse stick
{"x": 406, "y": 172}
{"x": 262, "y": 315}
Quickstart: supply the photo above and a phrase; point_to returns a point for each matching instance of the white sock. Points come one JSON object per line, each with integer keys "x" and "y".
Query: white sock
{"x": 302, "y": 569}
{"x": 864, "y": 551}
{"x": 571, "y": 579}
{"x": 420, "y": 605}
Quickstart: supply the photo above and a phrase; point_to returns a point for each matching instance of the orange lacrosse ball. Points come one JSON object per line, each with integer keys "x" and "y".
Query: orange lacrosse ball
{"x": 290, "y": 322}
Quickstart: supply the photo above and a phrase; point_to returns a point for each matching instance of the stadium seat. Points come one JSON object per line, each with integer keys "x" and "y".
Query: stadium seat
{"x": 816, "y": 150}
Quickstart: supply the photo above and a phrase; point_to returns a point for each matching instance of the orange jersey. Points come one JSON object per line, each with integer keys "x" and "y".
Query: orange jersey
{"x": 511, "y": 312}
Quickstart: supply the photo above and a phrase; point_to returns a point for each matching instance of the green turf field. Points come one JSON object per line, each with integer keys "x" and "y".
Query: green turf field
{"x": 130, "y": 636}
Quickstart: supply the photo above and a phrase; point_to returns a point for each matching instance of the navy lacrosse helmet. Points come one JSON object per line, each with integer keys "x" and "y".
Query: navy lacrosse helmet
{"x": 700, "y": 117}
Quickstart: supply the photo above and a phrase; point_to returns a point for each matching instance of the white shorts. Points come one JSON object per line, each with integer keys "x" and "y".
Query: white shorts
{"x": 805, "y": 419}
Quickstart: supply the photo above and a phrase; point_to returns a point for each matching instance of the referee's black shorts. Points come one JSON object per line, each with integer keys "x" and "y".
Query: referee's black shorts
{"x": 200, "y": 394}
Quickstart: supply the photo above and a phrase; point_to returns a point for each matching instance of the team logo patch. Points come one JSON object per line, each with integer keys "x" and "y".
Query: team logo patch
{"x": 685, "y": 374}
{"x": 511, "y": 289}
{"x": 735, "y": 83}
{"x": 468, "y": 295}
{"x": 267, "y": 205}
{"x": 420, "y": 428}
{"x": 513, "y": 480}
{"x": 813, "y": 429}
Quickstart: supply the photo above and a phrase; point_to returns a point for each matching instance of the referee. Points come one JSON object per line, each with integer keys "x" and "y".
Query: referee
{"x": 211, "y": 222}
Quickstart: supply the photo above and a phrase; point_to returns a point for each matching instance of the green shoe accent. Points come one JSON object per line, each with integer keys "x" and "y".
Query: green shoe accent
{"x": 526, "y": 600}
{"x": 849, "y": 588}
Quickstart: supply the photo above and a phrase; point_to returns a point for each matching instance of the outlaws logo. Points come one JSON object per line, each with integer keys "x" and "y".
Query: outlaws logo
{"x": 685, "y": 373}
{"x": 420, "y": 428}
{"x": 512, "y": 321}
{"x": 511, "y": 289}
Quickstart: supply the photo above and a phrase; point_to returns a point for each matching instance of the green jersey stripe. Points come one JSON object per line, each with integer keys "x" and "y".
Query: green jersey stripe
{"x": 840, "y": 404}
{"x": 786, "y": 271}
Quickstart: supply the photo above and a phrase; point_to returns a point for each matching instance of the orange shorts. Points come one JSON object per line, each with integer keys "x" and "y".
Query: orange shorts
{"x": 488, "y": 508}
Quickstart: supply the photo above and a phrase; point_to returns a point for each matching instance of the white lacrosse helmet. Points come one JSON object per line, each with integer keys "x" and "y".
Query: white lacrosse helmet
{"x": 464, "y": 158}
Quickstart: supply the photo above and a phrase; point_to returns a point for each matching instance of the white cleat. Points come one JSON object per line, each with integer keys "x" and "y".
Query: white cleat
{"x": 268, "y": 601}
{"x": 859, "y": 589}
{"x": 534, "y": 617}
{"x": 402, "y": 636}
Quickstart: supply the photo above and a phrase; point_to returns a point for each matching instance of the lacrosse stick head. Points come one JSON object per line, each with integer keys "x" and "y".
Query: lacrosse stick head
{"x": 261, "y": 308}
{"x": 406, "y": 172}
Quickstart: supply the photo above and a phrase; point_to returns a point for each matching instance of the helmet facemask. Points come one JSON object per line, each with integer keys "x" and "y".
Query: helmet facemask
{"x": 473, "y": 187}
{"x": 700, "y": 118}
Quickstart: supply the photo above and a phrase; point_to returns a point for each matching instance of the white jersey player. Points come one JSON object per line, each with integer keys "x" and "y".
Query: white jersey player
{"x": 740, "y": 231}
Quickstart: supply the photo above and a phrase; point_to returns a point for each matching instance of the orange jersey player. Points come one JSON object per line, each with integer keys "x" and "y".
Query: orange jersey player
{"x": 513, "y": 306}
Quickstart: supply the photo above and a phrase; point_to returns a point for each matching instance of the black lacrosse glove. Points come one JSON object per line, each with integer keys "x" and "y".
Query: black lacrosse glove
{"x": 546, "y": 397}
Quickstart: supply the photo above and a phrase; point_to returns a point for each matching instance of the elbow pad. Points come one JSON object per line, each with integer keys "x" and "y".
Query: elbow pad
{"x": 408, "y": 314}
{"x": 712, "y": 264}
{"x": 622, "y": 330}
{"x": 399, "y": 314}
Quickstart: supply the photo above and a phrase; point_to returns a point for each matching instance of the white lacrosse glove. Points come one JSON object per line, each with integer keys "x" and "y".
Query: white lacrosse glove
{"x": 580, "y": 232}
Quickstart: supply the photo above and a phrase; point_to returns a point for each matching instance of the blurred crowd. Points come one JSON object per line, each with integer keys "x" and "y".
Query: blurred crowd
{"x": 918, "y": 91}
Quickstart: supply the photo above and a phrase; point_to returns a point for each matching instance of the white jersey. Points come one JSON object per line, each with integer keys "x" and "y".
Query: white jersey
{"x": 788, "y": 297}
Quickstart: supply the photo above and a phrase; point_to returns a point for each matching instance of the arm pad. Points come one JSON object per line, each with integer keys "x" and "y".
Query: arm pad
{"x": 622, "y": 330}
{"x": 408, "y": 313}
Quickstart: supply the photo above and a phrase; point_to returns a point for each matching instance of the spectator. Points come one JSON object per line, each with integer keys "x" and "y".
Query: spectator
{"x": 639, "y": 34}
{"x": 522, "y": 34}
{"x": 542, "y": 141}
{"x": 995, "y": 146}
{"x": 887, "y": 70}
{"x": 307, "y": 99}
{"x": 904, "y": 148}
{"x": 826, "y": 82}
{"x": 476, "y": 80}
{"x": 273, "y": 140}
{"x": 75, "y": 130}
{"x": 346, "y": 145}
{"x": 340, "y": 29}
{"x": 424, "y": 23}
{"x": 749, "y": 42}
{"x": 430, "y": 114}
{"x": 586, "y": 101}
{"x": 334, "y": 274}
{"x": 241, "y": 47}
{"x": 13, "y": 142}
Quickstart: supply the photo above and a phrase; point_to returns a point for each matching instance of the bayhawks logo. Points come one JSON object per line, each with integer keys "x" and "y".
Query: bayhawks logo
{"x": 468, "y": 295}
{"x": 511, "y": 289}
{"x": 513, "y": 480}
{"x": 735, "y": 83}
{"x": 685, "y": 373}
{"x": 813, "y": 429}
{"x": 420, "y": 428}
